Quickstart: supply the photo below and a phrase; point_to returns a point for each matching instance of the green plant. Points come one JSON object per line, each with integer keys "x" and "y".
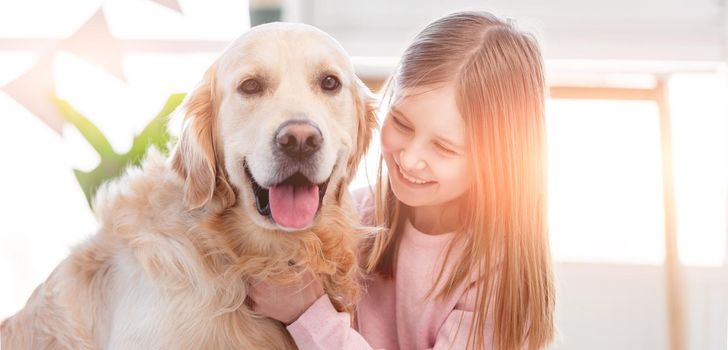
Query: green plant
{"x": 113, "y": 164}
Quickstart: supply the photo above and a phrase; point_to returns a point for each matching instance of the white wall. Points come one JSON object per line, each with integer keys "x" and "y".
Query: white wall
{"x": 611, "y": 306}
{"x": 617, "y": 29}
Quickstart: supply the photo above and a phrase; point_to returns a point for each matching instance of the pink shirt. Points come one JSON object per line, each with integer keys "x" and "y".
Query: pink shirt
{"x": 396, "y": 313}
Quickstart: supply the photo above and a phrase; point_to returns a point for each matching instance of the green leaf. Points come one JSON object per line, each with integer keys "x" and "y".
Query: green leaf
{"x": 112, "y": 165}
{"x": 155, "y": 133}
{"x": 88, "y": 130}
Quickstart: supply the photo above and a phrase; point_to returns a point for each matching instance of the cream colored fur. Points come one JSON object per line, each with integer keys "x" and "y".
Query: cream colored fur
{"x": 180, "y": 239}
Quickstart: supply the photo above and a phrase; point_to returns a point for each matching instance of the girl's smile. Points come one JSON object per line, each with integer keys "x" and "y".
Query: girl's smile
{"x": 412, "y": 180}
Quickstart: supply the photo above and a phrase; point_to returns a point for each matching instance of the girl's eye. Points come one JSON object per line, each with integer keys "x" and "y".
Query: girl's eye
{"x": 445, "y": 149}
{"x": 400, "y": 124}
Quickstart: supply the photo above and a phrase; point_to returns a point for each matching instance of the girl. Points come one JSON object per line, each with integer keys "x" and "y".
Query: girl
{"x": 463, "y": 261}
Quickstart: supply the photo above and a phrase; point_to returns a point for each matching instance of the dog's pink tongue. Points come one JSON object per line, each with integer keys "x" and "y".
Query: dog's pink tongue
{"x": 294, "y": 206}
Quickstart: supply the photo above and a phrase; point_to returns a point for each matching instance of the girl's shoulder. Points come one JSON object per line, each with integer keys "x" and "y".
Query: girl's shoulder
{"x": 364, "y": 204}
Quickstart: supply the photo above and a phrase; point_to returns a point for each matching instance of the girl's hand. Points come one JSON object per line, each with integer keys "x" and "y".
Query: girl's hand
{"x": 285, "y": 303}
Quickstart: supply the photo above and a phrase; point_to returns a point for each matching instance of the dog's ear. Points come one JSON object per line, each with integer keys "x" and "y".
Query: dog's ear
{"x": 366, "y": 105}
{"x": 195, "y": 158}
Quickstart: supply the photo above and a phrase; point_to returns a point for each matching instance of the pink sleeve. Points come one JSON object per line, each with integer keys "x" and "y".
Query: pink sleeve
{"x": 364, "y": 203}
{"x": 321, "y": 327}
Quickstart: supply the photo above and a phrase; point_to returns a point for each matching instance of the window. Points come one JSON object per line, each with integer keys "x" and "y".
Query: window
{"x": 605, "y": 193}
{"x": 606, "y": 199}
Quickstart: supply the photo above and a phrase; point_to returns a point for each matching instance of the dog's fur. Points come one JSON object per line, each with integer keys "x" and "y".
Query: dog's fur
{"x": 180, "y": 239}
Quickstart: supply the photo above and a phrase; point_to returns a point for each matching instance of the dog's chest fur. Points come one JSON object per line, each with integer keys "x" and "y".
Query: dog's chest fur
{"x": 150, "y": 278}
{"x": 188, "y": 290}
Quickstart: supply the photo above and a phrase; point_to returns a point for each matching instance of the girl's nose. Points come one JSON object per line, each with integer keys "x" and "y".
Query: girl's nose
{"x": 410, "y": 159}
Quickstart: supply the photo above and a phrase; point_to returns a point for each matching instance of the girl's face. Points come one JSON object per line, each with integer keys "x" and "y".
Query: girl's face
{"x": 423, "y": 144}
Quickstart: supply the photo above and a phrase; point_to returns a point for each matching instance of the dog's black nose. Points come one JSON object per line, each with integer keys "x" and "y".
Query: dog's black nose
{"x": 298, "y": 139}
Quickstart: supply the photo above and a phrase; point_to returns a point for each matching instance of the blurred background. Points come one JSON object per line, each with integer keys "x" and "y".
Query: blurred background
{"x": 637, "y": 132}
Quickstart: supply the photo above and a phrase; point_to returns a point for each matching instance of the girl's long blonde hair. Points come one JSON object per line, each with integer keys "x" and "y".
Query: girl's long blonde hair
{"x": 498, "y": 74}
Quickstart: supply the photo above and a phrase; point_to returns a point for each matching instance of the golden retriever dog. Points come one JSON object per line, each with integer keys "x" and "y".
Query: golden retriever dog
{"x": 256, "y": 189}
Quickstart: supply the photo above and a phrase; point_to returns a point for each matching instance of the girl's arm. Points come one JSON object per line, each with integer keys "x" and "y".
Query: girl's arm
{"x": 321, "y": 327}
{"x": 312, "y": 320}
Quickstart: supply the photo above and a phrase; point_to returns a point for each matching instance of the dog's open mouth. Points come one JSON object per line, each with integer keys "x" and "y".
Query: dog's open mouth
{"x": 292, "y": 203}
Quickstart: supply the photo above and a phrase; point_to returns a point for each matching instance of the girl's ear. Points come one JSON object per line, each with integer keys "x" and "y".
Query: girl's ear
{"x": 195, "y": 158}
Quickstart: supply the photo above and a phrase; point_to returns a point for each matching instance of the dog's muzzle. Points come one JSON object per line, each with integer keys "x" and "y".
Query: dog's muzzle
{"x": 292, "y": 200}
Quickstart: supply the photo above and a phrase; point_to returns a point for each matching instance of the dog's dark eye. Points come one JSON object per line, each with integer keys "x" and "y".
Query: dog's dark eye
{"x": 251, "y": 87}
{"x": 330, "y": 83}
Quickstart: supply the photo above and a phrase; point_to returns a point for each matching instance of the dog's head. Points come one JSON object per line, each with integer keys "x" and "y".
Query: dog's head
{"x": 277, "y": 126}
